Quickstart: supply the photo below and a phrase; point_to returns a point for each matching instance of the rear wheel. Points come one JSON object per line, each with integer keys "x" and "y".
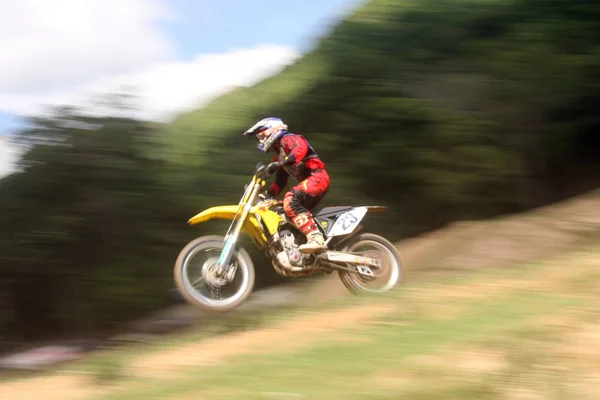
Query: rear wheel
{"x": 385, "y": 277}
{"x": 195, "y": 276}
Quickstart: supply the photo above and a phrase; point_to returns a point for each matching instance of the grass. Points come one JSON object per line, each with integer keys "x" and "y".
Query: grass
{"x": 518, "y": 333}
{"x": 211, "y": 327}
{"x": 505, "y": 334}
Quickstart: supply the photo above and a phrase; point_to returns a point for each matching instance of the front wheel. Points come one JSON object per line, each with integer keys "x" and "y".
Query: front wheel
{"x": 386, "y": 277}
{"x": 196, "y": 280}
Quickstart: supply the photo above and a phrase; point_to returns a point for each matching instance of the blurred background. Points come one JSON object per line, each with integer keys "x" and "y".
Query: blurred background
{"x": 119, "y": 122}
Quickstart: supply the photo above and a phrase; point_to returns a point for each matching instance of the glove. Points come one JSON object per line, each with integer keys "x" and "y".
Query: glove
{"x": 273, "y": 167}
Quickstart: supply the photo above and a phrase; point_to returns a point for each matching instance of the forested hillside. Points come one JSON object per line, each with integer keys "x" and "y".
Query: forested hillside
{"x": 466, "y": 108}
{"x": 444, "y": 110}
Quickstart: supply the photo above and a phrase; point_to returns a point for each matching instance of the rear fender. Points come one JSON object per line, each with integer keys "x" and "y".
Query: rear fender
{"x": 251, "y": 226}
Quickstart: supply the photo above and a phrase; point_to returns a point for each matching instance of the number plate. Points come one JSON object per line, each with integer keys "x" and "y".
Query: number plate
{"x": 347, "y": 222}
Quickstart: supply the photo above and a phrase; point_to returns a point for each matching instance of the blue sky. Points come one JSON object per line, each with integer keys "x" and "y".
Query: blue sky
{"x": 196, "y": 27}
{"x": 212, "y": 26}
{"x": 8, "y": 122}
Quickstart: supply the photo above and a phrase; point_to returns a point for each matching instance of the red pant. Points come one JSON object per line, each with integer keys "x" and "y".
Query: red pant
{"x": 306, "y": 195}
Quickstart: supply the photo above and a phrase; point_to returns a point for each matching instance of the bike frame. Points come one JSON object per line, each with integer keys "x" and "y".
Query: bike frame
{"x": 235, "y": 229}
{"x": 259, "y": 222}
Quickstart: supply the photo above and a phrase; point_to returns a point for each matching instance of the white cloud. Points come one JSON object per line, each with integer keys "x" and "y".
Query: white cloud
{"x": 48, "y": 45}
{"x": 174, "y": 87}
{"x": 171, "y": 87}
{"x": 8, "y": 157}
{"x": 63, "y": 51}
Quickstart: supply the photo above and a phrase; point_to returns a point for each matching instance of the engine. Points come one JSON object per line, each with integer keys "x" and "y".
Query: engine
{"x": 290, "y": 256}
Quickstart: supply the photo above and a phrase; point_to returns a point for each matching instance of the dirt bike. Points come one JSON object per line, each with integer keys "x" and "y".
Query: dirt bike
{"x": 226, "y": 275}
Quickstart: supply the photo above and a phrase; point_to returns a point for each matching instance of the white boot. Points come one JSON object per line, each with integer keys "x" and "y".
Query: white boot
{"x": 315, "y": 242}
{"x": 308, "y": 226}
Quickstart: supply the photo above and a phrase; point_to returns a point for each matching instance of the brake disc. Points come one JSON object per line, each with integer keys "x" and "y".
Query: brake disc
{"x": 209, "y": 273}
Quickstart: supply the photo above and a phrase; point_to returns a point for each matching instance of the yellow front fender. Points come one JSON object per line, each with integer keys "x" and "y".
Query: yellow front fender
{"x": 252, "y": 227}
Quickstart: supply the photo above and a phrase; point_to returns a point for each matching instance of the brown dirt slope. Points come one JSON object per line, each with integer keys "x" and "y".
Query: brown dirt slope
{"x": 507, "y": 240}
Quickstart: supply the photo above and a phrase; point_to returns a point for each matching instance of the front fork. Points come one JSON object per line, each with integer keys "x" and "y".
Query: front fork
{"x": 231, "y": 238}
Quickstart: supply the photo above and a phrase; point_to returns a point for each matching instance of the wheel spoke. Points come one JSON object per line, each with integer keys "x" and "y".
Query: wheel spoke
{"x": 385, "y": 276}
{"x": 204, "y": 288}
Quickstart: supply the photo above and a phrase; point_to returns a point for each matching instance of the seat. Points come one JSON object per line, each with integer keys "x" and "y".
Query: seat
{"x": 328, "y": 212}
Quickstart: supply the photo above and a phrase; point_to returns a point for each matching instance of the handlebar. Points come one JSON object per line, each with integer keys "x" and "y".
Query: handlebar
{"x": 261, "y": 171}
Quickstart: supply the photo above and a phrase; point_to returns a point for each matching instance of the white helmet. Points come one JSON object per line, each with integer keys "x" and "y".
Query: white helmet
{"x": 267, "y": 131}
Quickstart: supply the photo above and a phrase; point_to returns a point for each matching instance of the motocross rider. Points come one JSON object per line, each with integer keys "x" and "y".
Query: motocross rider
{"x": 294, "y": 157}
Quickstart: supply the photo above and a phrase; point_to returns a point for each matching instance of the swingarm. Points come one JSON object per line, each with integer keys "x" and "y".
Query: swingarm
{"x": 339, "y": 260}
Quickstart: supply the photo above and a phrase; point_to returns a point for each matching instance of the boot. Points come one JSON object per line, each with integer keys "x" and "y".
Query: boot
{"x": 315, "y": 240}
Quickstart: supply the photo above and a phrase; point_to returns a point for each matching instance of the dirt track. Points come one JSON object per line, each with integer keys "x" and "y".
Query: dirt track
{"x": 285, "y": 336}
{"x": 293, "y": 334}
{"x": 462, "y": 244}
